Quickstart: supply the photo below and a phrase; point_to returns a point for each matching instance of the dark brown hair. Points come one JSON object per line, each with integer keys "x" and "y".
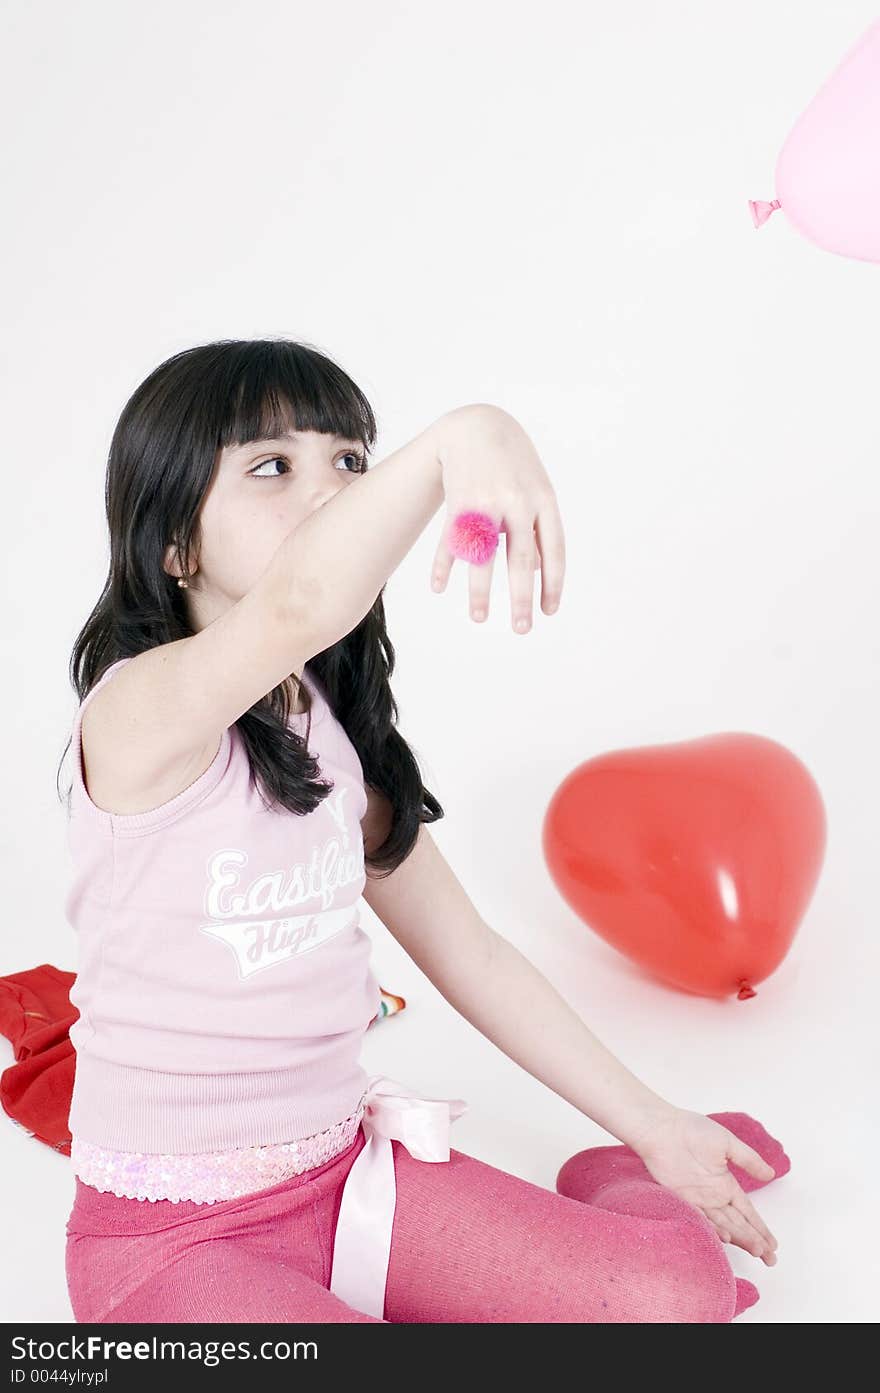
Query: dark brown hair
{"x": 161, "y": 461}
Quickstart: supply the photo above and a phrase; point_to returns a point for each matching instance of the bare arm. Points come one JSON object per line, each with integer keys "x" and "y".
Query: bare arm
{"x": 340, "y": 556}
{"x": 521, "y": 1012}
{"x": 502, "y": 994}
{"x": 499, "y": 991}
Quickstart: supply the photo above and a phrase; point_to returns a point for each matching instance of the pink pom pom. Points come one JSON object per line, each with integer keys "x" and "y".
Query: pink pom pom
{"x": 473, "y": 537}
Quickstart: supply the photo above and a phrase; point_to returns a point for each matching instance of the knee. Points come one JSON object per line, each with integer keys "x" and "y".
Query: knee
{"x": 698, "y": 1284}
{"x": 653, "y": 1271}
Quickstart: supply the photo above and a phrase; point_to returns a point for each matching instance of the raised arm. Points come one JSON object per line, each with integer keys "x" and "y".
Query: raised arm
{"x": 337, "y": 560}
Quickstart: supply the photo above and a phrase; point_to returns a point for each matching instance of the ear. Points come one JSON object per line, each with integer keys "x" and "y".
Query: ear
{"x": 171, "y": 561}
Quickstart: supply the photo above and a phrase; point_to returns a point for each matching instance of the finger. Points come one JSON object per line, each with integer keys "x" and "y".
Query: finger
{"x": 442, "y": 564}
{"x": 722, "y": 1220}
{"x": 480, "y": 587}
{"x": 742, "y": 1232}
{"x": 745, "y": 1156}
{"x": 520, "y": 532}
{"x": 730, "y": 1225}
{"x": 743, "y": 1204}
{"x": 551, "y": 540}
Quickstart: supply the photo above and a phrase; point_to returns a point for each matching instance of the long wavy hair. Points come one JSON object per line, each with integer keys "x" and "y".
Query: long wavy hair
{"x": 162, "y": 458}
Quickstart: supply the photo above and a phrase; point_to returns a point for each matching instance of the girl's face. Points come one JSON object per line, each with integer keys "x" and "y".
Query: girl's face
{"x": 259, "y": 493}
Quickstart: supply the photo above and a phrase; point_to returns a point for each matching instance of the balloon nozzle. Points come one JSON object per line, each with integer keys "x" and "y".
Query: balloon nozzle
{"x": 745, "y": 990}
{"x": 760, "y": 210}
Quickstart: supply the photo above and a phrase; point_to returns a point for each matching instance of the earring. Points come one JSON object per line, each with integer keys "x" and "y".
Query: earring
{"x": 183, "y": 582}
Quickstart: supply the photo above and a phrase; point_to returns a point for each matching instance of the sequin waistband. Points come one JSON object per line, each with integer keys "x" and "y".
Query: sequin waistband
{"x": 208, "y": 1176}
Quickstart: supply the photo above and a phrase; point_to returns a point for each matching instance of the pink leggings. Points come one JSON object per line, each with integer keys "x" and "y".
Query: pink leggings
{"x": 469, "y": 1243}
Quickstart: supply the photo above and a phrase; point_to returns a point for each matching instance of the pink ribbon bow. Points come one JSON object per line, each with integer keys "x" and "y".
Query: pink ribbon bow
{"x": 362, "y": 1246}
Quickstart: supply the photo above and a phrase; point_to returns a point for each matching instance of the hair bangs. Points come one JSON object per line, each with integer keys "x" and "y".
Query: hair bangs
{"x": 279, "y": 389}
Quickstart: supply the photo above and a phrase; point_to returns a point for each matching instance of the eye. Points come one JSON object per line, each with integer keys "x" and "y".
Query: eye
{"x": 277, "y": 460}
{"x": 360, "y": 464}
{"x": 360, "y": 461}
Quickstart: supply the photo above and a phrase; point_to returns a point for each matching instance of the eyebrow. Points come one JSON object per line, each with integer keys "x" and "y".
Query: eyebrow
{"x": 291, "y": 439}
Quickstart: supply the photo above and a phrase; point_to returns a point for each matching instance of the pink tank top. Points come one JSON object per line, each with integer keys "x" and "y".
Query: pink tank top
{"x": 224, "y": 983}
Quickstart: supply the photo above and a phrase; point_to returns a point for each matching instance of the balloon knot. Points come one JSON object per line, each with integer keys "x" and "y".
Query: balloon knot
{"x": 745, "y": 991}
{"x": 761, "y": 210}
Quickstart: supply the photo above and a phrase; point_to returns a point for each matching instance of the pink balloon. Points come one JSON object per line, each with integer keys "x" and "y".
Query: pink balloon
{"x": 828, "y": 171}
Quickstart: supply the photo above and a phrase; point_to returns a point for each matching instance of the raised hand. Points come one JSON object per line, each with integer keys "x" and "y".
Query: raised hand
{"x": 489, "y": 465}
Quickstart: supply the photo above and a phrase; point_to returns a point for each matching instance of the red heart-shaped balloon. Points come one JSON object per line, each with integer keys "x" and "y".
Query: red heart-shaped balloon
{"x": 697, "y": 859}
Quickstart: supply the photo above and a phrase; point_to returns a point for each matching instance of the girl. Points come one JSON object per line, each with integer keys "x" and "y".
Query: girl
{"x": 236, "y": 773}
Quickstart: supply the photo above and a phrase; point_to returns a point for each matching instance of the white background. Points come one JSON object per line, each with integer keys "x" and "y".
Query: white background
{"x": 544, "y": 206}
